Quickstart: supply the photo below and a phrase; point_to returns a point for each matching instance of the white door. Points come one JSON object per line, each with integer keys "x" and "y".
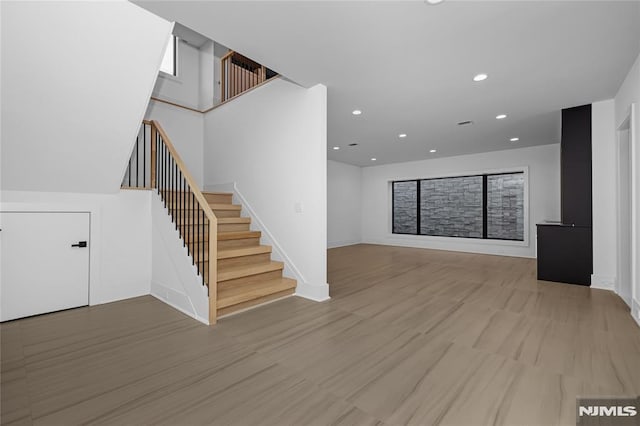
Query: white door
{"x": 44, "y": 265}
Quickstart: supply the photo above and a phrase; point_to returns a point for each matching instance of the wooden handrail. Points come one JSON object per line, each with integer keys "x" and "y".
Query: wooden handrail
{"x": 185, "y": 172}
{"x": 204, "y": 111}
{"x": 213, "y": 220}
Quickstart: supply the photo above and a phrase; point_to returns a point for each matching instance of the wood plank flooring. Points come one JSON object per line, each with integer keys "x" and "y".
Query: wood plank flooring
{"x": 410, "y": 336}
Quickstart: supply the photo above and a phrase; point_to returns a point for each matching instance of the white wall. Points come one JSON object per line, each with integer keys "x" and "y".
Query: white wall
{"x": 76, "y": 79}
{"x": 628, "y": 94}
{"x": 120, "y": 241}
{"x": 184, "y": 88}
{"x": 603, "y": 170}
{"x": 344, "y": 204}
{"x": 186, "y": 130}
{"x": 272, "y": 143}
{"x": 174, "y": 279}
{"x": 208, "y": 79}
{"x": 542, "y": 162}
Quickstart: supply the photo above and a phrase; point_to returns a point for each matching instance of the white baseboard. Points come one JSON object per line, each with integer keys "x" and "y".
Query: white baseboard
{"x": 490, "y": 247}
{"x": 317, "y": 293}
{"x": 603, "y": 282}
{"x": 336, "y": 244}
{"x": 635, "y": 310}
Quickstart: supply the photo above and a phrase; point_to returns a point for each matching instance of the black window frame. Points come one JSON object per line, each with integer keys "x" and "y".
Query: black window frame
{"x": 484, "y": 206}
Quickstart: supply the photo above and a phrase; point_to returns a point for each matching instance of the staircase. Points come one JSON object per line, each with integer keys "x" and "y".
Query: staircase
{"x": 210, "y": 226}
{"x": 246, "y": 275}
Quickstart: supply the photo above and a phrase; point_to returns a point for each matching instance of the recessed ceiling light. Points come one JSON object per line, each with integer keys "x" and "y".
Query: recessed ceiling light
{"x": 432, "y": 150}
{"x": 501, "y": 116}
{"x": 402, "y": 135}
{"x": 434, "y": 1}
{"x": 373, "y": 159}
{"x": 356, "y": 112}
{"x": 336, "y": 148}
{"x": 480, "y": 77}
{"x": 514, "y": 139}
{"x": 353, "y": 144}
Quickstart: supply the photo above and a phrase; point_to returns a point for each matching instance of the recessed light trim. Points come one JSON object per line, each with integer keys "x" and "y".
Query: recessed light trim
{"x": 335, "y": 148}
{"x": 514, "y": 139}
{"x": 501, "y": 116}
{"x": 356, "y": 112}
{"x": 374, "y": 159}
{"x": 434, "y": 2}
{"x": 402, "y": 135}
{"x": 480, "y": 77}
{"x": 432, "y": 151}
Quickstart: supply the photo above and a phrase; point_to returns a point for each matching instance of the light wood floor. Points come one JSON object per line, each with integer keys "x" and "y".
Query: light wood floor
{"x": 409, "y": 337}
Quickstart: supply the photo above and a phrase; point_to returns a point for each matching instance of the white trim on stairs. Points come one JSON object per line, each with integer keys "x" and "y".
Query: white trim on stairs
{"x": 318, "y": 293}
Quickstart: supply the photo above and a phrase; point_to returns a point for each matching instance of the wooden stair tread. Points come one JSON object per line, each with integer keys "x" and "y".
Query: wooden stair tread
{"x": 243, "y": 251}
{"x": 216, "y": 193}
{"x": 235, "y": 295}
{"x": 226, "y": 220}
{"x": 215, "y": 206}
{"x": 238, "y": 235}
{"x": 231, "y": 273}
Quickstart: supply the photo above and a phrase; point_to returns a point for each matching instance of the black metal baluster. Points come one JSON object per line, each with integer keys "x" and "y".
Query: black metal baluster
{"x": 175, "y": 189}
{"x": 157, "y": 162}
{"x": 199, "y": 236}
{"x": 193, "y": 224}
{"x": 186, "y": 208}
{"x": 184, "y": 204}
{"x": 144, "y": 155}
{"x": 137, "y": 150}
{"x": 204, "y": 231}
{"x": 164, "y": 171}
{"x": 179, "y": 194}
{"x": 161, "y": 164}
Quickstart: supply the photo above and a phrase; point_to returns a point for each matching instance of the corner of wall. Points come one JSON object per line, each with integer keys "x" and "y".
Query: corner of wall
{"x": 317, "y": 293}
{"x": 603, "y": 282}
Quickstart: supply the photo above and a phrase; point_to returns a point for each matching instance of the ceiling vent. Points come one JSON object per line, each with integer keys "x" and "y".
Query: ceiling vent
{"x": 353, "y": 144}
{"x": 465, "y": 123}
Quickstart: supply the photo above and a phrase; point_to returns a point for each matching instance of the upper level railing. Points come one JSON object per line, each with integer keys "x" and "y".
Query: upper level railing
{"x": 155, "y": 164}
{"x": 240, "y": 74}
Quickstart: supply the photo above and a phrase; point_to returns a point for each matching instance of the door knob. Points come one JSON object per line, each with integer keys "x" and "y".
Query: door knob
{"x": 80, "y": 244}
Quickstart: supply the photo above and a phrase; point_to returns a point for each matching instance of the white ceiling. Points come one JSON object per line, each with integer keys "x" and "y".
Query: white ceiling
{"x": 409, "y": 65}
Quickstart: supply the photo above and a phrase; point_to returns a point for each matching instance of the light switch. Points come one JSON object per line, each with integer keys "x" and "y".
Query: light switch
{"x": 298, "y": 207}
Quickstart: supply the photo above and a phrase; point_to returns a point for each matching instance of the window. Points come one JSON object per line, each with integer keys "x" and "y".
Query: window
{"x": 405, "y": 207}
{"x": 489, "y": 206}
{"x": 169, "y": 60}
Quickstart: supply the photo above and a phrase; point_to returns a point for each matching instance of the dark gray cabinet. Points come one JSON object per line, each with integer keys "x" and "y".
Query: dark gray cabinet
{"x": 575, "y": 166}
{"x": 564, "y": 253}
{"x": 565, "y": 250}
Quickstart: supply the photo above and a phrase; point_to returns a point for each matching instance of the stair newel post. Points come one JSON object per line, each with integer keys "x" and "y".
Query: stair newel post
{"x": 154, "y": 138}
{"x": 213, "y": 270}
